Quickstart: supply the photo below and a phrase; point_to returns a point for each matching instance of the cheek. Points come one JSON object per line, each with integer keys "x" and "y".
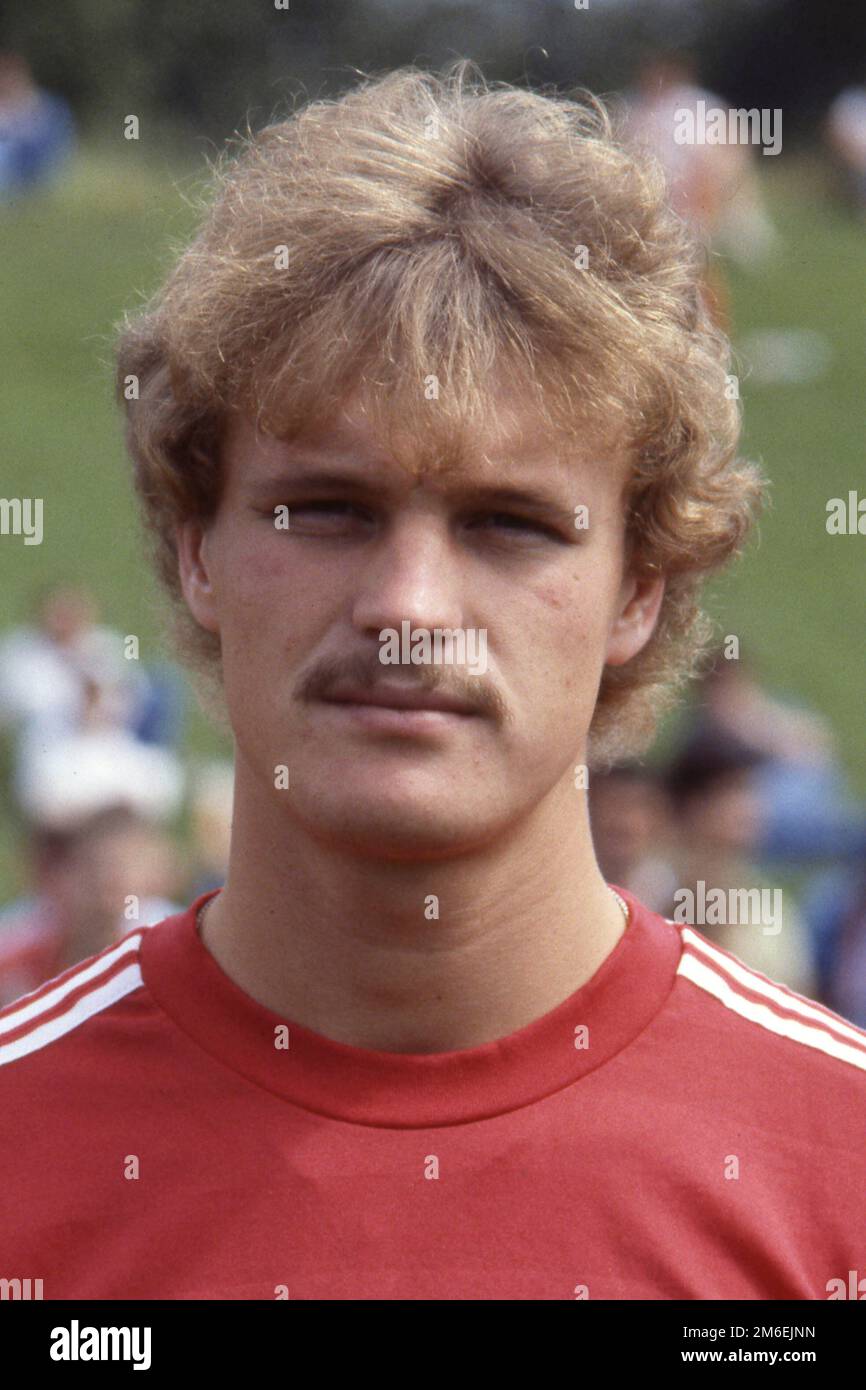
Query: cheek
{"x": 266, "y": 592}
{"x": 570, "y": 617}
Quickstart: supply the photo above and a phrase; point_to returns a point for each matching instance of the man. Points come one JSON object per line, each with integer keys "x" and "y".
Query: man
{"x": 436, "y": 363}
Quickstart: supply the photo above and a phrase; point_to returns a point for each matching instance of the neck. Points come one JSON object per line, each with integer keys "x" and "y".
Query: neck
{"x": 353, "y": 948}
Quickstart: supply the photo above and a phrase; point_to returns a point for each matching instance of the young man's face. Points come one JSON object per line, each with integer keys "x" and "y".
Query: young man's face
{"x": 542, "y": 604}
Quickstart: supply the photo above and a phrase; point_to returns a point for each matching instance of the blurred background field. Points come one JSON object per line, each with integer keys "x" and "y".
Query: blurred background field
{"x": 86, "y": 247}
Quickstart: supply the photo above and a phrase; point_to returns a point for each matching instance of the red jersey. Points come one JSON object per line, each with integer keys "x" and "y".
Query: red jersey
{"x": 680, "y": 1127}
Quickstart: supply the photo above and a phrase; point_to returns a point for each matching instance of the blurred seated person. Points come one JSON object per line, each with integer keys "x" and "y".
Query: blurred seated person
{"x": 92, "y": 884}
{"x": 33, "y": 928}
{"x": 806, "y": 809}
{"x": 845, "y": 135}
{"x": 36, "y": 129}
{"x": 40, "y": 681}
{"x": 630, "y": 820}
{"x": 62, "y": 778}
{"x": 54, "y": 670}
{"x": 834, "y": 906}
{"x": 711, "y": 784}
{"x": 714, "y": 187}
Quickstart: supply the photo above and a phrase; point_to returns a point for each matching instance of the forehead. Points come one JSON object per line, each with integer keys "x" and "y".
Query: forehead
{"x": 513, "y": 443}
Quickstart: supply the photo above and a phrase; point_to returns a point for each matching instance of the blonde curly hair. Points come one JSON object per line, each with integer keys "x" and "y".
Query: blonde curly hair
{"x": 442, "y": 225}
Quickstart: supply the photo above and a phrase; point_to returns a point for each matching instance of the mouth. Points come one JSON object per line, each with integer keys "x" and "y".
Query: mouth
{"x": 411, "y": 699}
{"x": 394, "y": 709}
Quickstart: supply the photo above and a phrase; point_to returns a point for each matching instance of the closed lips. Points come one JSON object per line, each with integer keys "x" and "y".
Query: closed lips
{"x": 393, "y": 697}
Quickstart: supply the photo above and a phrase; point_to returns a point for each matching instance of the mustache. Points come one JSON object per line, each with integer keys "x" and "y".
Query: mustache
{"x": 364, "y": 669}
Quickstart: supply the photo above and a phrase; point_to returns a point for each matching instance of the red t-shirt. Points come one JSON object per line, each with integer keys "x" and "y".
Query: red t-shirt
{"x": 679, "y": 1127}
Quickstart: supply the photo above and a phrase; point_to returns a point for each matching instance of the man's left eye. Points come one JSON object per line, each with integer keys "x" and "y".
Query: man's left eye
{"x": 326, "y": 507}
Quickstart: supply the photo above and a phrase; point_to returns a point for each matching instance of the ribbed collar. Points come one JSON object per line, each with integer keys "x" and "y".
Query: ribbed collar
{"x": 401, "y": 1090}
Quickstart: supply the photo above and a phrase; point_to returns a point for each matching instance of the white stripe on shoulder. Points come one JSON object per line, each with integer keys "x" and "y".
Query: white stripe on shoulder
{"x": 97, "y": 999}
{"x": 785, "y": 999}
{"x": 706, "y": 977}
{"x": 24, "y": 1009}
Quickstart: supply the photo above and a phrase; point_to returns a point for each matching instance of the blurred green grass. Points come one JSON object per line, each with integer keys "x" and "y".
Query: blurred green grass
{"x": 796, "y": 597}
{"x": 76, "y": 256}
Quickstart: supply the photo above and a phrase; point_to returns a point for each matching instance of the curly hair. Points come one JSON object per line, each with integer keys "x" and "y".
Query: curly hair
{"x": 440, "y": 225}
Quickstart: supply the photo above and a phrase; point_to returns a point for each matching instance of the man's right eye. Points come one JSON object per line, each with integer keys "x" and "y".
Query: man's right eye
{"x": 323, "y": 516}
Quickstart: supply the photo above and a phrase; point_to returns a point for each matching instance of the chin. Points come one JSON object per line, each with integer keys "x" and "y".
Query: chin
{"x": 408, "y": 832}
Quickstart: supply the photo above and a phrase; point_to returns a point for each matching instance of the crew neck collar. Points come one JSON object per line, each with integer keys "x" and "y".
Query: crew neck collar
{"x": 409, "y": 1090}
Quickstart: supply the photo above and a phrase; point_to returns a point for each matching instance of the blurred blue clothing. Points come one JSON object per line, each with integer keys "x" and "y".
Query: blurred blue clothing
{"x": 34, "y": 141}
{"x": 834, "y": 906}
{"x": 160, "y": 713}
{"x": 808, "y": 813}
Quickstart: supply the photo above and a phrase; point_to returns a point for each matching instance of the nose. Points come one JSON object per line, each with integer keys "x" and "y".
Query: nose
{"x": 413, "y": 574}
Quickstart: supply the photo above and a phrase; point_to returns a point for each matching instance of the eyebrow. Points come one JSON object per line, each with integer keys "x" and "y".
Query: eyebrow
{"x": 308, "y": 483}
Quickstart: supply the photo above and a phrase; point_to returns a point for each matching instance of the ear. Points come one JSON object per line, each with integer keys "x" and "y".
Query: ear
{"x": 640, "y": 599}
{"x": 193, "y": 542}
